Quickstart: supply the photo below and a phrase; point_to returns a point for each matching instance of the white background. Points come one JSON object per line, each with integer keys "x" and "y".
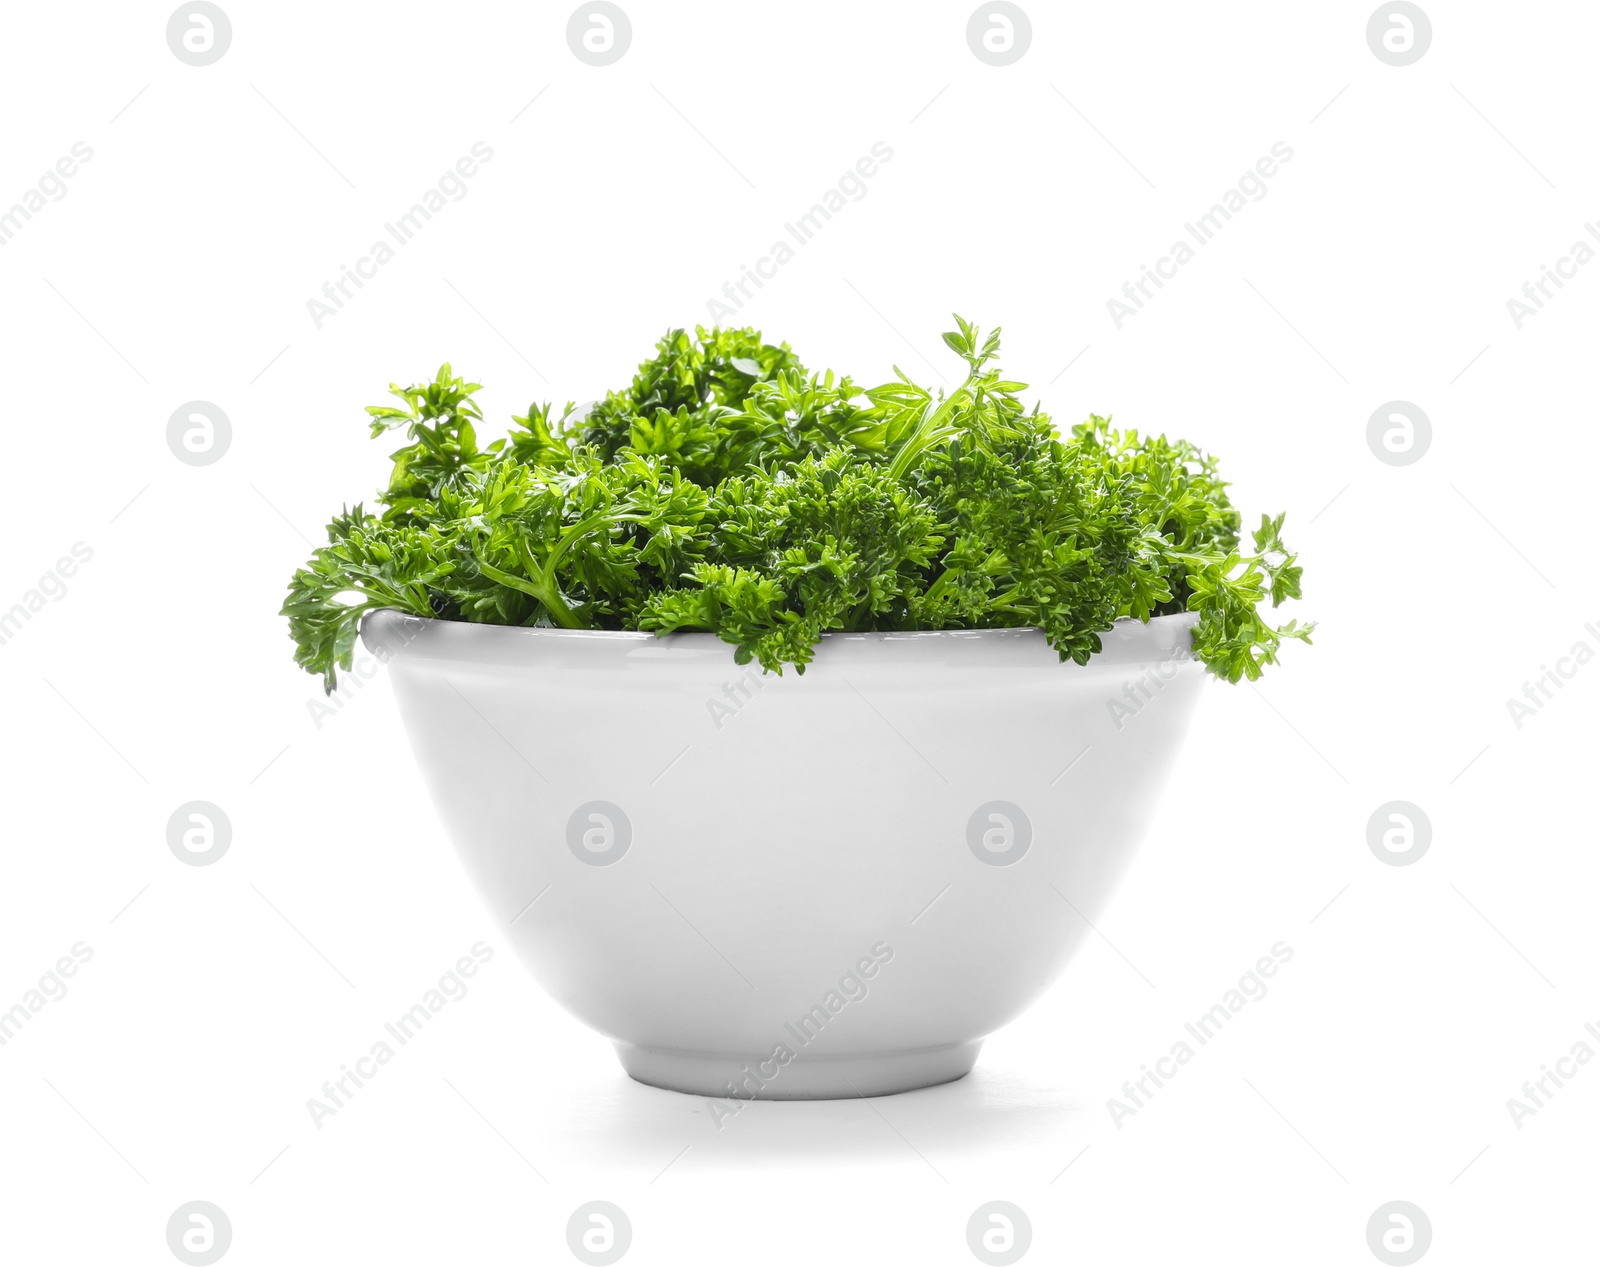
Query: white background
{"x": 178, "y": 266}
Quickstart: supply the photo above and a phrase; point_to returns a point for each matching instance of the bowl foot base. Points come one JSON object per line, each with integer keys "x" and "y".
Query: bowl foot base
{"x": 758, "y": 1076}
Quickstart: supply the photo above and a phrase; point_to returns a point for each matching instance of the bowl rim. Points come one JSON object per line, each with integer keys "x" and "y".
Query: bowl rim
{"x": 394, "y": 632}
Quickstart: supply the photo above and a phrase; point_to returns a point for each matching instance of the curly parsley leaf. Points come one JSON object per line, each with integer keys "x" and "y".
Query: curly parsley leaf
{"x": 728, "y": 489}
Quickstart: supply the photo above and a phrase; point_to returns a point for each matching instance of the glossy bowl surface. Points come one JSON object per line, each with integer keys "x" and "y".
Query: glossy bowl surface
{"x": 817, "y": 885}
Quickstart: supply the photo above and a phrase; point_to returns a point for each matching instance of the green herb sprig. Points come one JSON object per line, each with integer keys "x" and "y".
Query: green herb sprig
{"x": 728, "y": 489}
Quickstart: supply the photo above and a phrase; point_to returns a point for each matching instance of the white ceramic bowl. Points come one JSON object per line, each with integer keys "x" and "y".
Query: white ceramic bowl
{"x": 811, "y": 886}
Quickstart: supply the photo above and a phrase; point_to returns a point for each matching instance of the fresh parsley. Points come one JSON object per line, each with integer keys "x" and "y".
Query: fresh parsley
{"x": 729, "y": 489}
